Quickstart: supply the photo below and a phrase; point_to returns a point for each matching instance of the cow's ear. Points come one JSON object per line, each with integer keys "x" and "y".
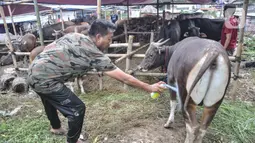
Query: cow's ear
{"x": 203, "y": 35}
{"x": 161, "y": 50}
{"x": 186, "y": 34}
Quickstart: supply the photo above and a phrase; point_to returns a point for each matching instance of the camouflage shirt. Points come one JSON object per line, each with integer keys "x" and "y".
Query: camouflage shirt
{"x": 64, "y": 59}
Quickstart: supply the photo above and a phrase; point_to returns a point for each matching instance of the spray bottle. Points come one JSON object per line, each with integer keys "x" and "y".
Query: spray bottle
{"x": 155, "y": 95}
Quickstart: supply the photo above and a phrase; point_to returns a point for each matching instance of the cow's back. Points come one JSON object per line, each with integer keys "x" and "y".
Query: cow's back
{"x": 49, "y": 29}
{"x": 187, "y": 53}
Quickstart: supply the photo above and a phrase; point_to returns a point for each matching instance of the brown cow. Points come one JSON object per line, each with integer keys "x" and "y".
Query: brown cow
{"x": 25, "y": 44}
{"x": 200, "y": 70}
{"x": 83, "y": 29}
{"x": 36, "y": 51}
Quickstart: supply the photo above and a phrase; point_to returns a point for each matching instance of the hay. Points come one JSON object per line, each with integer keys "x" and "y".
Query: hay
{"x": 235, "y": 121}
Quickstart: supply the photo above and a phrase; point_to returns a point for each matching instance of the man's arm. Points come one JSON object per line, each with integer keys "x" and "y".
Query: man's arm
{"x": 130, "y": 80}
{"x": 228, "y": 38}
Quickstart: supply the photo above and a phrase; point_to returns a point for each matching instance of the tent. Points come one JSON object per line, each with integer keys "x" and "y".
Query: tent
{"x": 23, "y": 8}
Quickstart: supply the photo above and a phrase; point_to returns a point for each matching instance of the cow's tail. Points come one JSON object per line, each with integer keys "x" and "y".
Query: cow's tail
{"x": 210, "y": 58}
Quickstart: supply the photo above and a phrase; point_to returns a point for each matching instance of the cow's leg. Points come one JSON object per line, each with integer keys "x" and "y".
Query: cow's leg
{"x": 76, "y": 80}
{"x": 207, "y": 117}
{"x": 80, "y": 82}
{"x": 71, "y": 86}
{"x": 192, "y": 125}
{"x": 173, "y": 105}
{"x": 25, "y": 61}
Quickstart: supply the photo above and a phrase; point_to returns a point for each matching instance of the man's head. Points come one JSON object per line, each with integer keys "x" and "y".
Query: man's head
{"x": 101, "y": 31}
{"x": 229, "y": 10}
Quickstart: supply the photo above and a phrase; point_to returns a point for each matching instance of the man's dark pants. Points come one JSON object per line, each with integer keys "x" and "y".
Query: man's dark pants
{"x": 70, "y": 106}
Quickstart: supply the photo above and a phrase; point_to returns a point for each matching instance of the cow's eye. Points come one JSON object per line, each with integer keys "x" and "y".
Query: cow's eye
{"x": 151, "y": 55}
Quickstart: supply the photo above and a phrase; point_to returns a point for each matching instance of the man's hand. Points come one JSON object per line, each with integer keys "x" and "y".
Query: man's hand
{"x": 157, "y": 88}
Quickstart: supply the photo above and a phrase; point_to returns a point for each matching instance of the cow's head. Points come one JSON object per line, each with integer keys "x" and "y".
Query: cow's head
{"x": 17, "y": 44}
{"x": 194, "y": 31}
{"x": 154, "y": 56}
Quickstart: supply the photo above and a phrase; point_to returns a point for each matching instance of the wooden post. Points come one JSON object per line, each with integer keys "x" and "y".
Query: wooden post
{"x": 130, "y": 53}
{"x": 129, "y": 50}
{"x": 239, "y": 48}
{"x": 62, "y": 20}
{"x": 157, "y": 14}
{"x": 21, "y": 33}
{"x": 13, "y": 26}
{"x": 125, "y": 31}
{"x": 128, "y": 10}
{"x": 105, "y": 15}
{"x": 152, "y": 36}
{"x": 98, "y": 9}
{"x": 38, "y": 22}
{"x": 9, "y": 43}
{"x": 164, "y": 17}
{"x": 172, "y": 9}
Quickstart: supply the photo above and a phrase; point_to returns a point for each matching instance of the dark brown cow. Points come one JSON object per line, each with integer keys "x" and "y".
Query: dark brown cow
{"x": 200, "y": 70}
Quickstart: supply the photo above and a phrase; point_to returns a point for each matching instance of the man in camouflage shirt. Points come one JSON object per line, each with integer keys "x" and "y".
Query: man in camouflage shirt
{"x": 66, "y": 58}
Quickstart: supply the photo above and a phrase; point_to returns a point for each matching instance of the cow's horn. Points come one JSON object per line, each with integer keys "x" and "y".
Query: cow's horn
{"x": 160, "y": 40}
{"x": 162, "y": 43}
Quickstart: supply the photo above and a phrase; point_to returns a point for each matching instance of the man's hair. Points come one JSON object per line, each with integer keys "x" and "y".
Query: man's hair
{"x": 101, "y": 27}
{"x": 227, "y": 6}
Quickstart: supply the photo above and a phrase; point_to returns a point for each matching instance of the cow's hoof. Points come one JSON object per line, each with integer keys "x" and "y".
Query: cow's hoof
{"x": 168, "y": 125}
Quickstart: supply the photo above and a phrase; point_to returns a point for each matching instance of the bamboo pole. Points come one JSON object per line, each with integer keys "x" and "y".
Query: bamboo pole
{"x": 146, "y": 74}
{"x": 38, "y": 22}
{"x": 129, "y": 50}
{"x": 13, "y": 26}
{"x": 62, "y": 20}
{"x": 96, "y": 73}
{"x": 98, "y": 9}
{"x": 8, "y": 37}
{"x": 46, "y": 41}
{"x": 15, "y": 2}
{"x": 239, "y": 49}
{"x": 121, "y": 55}
{"x": 108, "y": 55}
{"x": 118, "y": 36}
{"x": 116, "y": 45}
{"x": 130, "y": 53}
{"x": 139, "y": 32}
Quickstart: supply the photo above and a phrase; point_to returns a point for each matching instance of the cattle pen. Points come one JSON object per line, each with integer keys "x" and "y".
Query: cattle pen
{"x": 129, "y": 41}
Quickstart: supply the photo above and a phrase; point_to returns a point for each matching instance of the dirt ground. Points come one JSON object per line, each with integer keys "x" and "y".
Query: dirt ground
{"x": 152, "y": 131}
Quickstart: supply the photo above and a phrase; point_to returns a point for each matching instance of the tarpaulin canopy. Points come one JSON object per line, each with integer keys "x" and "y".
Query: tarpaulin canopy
{"x": 22, "y": 8}
{"x": 91, "y": 2}
{"x": 120, "y": 2}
